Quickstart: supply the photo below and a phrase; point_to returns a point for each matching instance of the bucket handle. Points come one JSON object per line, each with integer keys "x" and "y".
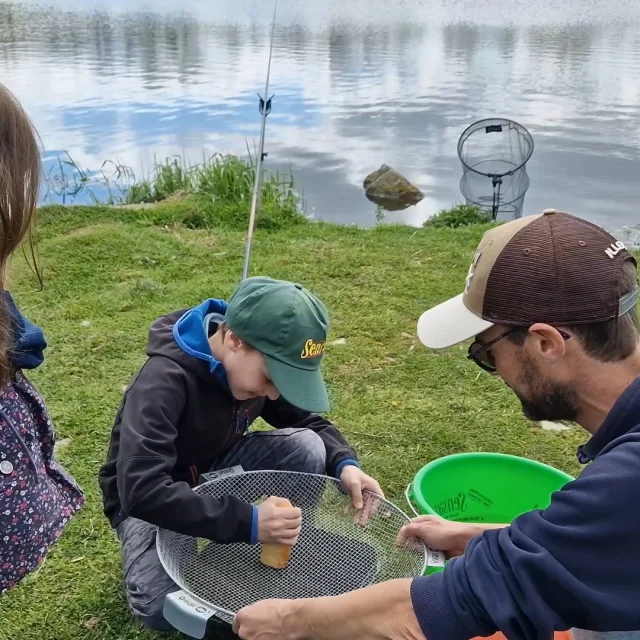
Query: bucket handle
{"x": 408, "y": 499}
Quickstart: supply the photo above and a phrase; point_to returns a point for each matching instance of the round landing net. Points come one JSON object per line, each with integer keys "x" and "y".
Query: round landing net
{"x": 494, "y": 155}
{"x": 338, "y": 550}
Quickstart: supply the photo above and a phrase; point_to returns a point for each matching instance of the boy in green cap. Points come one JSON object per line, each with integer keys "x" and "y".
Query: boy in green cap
{"x": 211, "y": 372}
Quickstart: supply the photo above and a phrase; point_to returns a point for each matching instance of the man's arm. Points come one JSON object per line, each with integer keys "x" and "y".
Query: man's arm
{"x": 147, "y": 455}
{"x": 283, "y": 415}
{"x": 381, "y": 612}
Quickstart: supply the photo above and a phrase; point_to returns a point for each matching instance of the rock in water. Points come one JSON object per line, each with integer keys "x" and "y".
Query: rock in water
{"x": 391, "y": 190}
{"x": 372, "y": 177}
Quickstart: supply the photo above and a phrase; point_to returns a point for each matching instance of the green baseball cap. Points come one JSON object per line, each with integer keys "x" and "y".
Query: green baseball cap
{"x": 289, "y": 326}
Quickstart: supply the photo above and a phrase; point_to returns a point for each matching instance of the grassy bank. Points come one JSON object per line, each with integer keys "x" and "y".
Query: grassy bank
{"x": 223, "y": 180}
{"x": 110, "y": 272}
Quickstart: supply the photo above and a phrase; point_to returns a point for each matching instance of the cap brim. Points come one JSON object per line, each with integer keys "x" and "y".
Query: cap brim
{"x": 449, "y": 323}
{"x": 303, "y": 388}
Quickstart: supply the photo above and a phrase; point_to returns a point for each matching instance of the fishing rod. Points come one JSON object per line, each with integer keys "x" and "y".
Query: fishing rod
{"x": 264, "y": 106}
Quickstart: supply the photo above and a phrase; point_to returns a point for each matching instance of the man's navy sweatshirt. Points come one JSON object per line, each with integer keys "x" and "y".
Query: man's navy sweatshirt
{"x": 572, "y": 565}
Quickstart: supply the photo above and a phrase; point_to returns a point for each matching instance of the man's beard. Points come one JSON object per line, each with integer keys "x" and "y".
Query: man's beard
{"x": 547, "y": 400}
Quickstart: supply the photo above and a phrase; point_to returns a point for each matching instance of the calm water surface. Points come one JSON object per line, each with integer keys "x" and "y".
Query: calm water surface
{"x": 356, "y": 83}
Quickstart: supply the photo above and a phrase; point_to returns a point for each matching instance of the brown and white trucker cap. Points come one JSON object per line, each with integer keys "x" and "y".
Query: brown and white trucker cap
{"x": 552, "y": 267}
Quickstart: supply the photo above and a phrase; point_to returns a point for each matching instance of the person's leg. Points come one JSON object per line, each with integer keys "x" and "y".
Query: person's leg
{"x": 280, "y": 450}
{"x": 146, "y": 581}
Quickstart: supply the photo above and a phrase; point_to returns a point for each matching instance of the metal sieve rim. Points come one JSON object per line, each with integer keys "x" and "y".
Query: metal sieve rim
{"x": 162, "y": 533}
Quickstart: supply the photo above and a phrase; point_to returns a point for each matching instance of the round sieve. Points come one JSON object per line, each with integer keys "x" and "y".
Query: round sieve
{"x": 339, "y": 549}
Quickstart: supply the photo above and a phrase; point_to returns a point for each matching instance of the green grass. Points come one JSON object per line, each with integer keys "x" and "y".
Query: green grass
{"x": 222, "y": 178}
{"x": 110, "y": 272}
{"x": 460, "y": 215}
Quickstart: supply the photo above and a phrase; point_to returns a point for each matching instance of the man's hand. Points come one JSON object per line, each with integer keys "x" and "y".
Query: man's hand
{"x": 268, "y": 620}
{"x": 278, "y": 525}
{"x": 444, "y": 535}
{"x": 355, "y": 481}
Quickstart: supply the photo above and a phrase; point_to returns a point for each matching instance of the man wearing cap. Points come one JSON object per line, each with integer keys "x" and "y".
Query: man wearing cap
{"x": 211, "y": 372}
{"x": 550, "y": 307}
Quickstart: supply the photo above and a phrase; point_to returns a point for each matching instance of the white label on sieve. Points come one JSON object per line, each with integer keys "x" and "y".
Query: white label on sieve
{"x": 187, "y": 614}
{"x": 220, "y": 473}
{"x": 435, "y": 558}
{"x": 197, "y": 607}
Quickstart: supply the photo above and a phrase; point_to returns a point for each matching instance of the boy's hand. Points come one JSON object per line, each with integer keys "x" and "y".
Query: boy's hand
{"x": 355, "y": 481}
{"x": 278, "y": 525}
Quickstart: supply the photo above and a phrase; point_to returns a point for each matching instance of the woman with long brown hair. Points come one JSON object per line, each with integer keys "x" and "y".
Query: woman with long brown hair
{"x": 37, "y": 496}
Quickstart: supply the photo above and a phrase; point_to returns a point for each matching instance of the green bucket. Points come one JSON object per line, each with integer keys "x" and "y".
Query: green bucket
{"x": 483, "y": 487}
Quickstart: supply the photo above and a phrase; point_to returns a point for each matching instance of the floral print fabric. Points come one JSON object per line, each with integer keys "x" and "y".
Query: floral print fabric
{"x": 37, "y": 496}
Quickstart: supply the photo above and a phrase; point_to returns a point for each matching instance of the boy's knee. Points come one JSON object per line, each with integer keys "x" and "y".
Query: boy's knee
{"x": 146, "y": 602}
{"x": 151, "y": 616}
{"x": 309, "y": 452}
{"x": 146, "y": 582}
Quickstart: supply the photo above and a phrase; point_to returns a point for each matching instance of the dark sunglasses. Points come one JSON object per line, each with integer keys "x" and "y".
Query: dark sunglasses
{"x": 481, "y": 353}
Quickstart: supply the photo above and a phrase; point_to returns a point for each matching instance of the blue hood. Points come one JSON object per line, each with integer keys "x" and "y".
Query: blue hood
{"x": 190, "y": 333}
{"x": 29, "y": 341}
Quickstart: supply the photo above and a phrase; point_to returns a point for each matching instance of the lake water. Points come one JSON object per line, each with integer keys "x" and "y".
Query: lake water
{"x": 357, "y": 83}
